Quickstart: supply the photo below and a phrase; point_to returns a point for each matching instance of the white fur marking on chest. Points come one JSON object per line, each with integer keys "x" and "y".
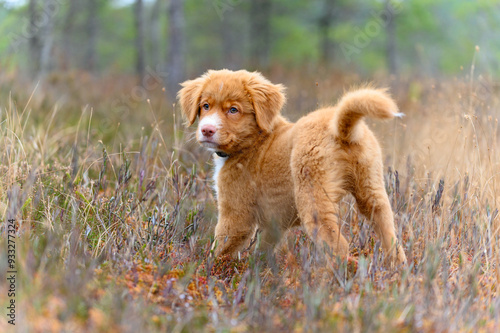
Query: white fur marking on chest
{"x": 218, "y": 164}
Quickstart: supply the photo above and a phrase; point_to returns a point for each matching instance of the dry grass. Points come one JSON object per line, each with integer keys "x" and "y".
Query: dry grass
{"x": 115, "y": 221}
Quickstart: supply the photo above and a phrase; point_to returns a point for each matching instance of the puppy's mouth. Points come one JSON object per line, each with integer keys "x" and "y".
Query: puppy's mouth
{"x": 209, "y": 144}
{"x": 214, "y": 147}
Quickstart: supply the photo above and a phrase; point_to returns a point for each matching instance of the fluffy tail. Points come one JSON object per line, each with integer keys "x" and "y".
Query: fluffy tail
{"x": 355, "y": 105}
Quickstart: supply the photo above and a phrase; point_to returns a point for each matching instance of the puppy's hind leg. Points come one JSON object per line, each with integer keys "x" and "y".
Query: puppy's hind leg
{"x": 373, "y": 203}
{"x": 317, "y": 204}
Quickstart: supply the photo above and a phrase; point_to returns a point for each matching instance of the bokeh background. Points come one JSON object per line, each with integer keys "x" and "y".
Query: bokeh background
{"x": 178, "y": 39}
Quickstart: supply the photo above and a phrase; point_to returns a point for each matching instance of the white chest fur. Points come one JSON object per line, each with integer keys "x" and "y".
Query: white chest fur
{"x": 218, "y": 164}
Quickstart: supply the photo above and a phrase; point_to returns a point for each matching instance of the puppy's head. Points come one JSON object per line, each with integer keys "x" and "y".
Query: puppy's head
{"x": 234, "y": 108}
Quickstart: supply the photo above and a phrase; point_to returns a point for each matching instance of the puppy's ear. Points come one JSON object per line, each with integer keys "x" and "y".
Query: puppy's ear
{"x": 189, "y": 97}
{"x": 267, "y": 99}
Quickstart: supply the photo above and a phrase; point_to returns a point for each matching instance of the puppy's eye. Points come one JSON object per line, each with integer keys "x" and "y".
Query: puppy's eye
{"x": 206, "y": 106}
{"x": 233, "y": 110}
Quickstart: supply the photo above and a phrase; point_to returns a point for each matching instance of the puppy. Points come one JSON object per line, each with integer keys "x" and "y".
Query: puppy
{"x": 271, "y": 175}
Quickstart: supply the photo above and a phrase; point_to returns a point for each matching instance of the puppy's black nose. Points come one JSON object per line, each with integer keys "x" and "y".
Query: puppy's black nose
{"x": 208, "y": 130}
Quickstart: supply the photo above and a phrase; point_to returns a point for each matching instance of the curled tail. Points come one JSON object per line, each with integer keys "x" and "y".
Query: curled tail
{"x": 355, "y": 105}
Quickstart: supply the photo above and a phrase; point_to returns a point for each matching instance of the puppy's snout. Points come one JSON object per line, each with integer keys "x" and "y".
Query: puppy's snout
{"x": 208, "y": 130}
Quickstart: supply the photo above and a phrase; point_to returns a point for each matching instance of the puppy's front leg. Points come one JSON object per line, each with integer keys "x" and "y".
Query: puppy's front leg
{"x": 233, "y": 231}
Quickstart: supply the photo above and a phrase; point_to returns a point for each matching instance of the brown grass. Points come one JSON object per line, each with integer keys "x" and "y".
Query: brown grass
{"x": 114, "y": 223}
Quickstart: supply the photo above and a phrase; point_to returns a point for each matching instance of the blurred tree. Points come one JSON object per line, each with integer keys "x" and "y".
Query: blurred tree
{"x": 325, "y": 23}
{"x": 176, "y": 38}
{"x": 155, "y": 32}
{"x": 35, "y": 45}
{"x": 91, "y": 29}
{"x": 41, "y": 35}
{"x": 231, "y": 41}
{"x": 260, "y": 33}
{"x": 47, "y": 36}
{"x": 139, "y": 38}
{"x": 391, "y": 47}
{"x": 67, "y": 38}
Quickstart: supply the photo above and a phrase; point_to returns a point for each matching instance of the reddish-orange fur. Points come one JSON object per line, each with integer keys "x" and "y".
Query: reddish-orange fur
{"x": 278, "y": 174}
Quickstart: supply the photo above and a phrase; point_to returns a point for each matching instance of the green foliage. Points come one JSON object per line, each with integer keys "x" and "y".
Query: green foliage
{"x": 432, "y": 36}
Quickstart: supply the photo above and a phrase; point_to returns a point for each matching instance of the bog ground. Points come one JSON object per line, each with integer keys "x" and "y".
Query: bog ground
{"x": 114, "y": 218}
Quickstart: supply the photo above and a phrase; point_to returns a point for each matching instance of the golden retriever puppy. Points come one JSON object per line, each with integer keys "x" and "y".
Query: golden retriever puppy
{"x": 271, "y": 174}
